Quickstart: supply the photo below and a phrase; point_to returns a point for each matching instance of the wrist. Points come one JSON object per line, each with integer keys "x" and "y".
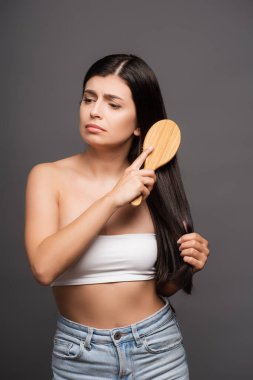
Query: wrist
{"x": 111, "y": 201}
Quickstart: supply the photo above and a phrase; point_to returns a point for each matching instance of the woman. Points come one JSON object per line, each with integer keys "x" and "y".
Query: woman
{"x": 112, "y": 266}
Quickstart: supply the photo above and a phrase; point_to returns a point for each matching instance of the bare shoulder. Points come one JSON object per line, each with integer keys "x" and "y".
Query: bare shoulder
{"x": 54, "y": 170}
{"x": 46, "y": 172}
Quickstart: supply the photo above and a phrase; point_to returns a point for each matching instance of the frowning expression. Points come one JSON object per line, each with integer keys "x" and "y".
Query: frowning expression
{"x": 107, "y": 103}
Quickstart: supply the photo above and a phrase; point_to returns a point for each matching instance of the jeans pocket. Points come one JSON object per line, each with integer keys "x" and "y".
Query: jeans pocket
{"x": 67, "y": 347}
{"x": 165, "y": 338}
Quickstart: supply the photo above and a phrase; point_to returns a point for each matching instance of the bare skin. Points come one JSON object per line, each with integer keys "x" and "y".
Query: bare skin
{"x": 105, "y": 305}
{"x": 70, "y": 201}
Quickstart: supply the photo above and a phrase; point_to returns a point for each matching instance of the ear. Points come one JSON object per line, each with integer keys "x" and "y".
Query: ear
{"x": 137, "y": 132}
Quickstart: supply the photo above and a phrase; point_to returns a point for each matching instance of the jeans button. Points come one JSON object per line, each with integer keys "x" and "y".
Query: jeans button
{"x": 117, "y": 335}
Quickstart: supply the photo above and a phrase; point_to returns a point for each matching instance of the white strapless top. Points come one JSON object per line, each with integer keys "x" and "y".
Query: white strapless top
{"x": 113, "y": 258}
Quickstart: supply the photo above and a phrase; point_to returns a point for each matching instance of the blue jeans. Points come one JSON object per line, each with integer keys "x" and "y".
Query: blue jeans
{"x": 146, "y": 350}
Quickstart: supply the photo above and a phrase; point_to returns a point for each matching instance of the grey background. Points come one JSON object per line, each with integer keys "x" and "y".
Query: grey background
{"x": 201, "y": 52}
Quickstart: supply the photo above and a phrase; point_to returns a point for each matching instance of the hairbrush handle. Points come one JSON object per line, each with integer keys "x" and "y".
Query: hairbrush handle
{"x": 137, "y": 201}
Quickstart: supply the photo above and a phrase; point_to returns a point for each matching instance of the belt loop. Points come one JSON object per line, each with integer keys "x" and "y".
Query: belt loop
{"x": 137, "y": 337}
{"x": 87, "y": 340}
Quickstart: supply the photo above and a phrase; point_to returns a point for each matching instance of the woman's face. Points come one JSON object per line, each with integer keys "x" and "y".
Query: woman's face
{"x": 107, "y": 102}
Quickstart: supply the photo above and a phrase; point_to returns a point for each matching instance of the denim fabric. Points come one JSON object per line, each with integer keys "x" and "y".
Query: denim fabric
{"x": 146, "y": 350}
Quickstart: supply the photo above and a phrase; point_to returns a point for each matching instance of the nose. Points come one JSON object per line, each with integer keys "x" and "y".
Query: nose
{"x": 96, "y": 110}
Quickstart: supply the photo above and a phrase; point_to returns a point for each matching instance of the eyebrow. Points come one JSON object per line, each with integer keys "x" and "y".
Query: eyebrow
{"x": 108, "y": 96}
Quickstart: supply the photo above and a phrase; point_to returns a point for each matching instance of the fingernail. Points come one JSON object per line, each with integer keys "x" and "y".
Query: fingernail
{"x": 179, "y": 241}
{"x": 150, "y": 147}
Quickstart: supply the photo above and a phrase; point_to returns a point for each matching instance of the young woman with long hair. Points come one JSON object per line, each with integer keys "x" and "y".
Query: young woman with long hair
{"x": 112, "y": 267}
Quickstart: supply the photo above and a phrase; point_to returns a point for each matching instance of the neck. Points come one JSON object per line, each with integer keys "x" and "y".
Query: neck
{"x": 104, "y": 163}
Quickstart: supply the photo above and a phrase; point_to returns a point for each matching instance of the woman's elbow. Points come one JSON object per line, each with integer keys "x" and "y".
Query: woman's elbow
{"x": 41, "y": 275}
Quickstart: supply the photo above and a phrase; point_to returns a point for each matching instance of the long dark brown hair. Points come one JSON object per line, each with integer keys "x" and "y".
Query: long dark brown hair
{"x": 167, "y": 201}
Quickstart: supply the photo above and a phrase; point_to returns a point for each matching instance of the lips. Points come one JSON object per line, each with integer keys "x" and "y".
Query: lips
{"x": 94, "y": 126}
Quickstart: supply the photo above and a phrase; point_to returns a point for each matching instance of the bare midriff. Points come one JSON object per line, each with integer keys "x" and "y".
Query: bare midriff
{"x": 108, "y": 305}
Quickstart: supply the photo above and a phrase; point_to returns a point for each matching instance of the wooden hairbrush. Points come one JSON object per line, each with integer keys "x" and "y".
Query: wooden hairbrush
{"x": 165, "y": 137}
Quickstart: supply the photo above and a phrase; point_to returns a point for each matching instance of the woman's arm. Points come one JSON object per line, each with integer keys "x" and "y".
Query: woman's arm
{"x": 50, "y": 250}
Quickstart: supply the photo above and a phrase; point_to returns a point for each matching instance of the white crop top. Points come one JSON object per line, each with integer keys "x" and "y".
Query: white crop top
{"x": 113, "y": 258}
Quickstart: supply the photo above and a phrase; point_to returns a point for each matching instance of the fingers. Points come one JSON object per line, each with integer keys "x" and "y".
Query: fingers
{"x": 145, "y": 192}
{"x": 197, "y": 264}
{"x": 149, "y": 183}
{"x": 194, "y": 244}
{"x": 141, "y": 158}
{"x": 195, "y": 258}
{"x": 194, "y": 250}
{"x": 195, "y": 254}
{"x": 147, "y": 186}
{"x": 146, "y": 176}
{"x": 192, "y": 236}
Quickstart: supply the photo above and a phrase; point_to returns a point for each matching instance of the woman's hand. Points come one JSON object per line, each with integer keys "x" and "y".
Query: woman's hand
{"x": 194, "y": 250}
{"x": 134, "y": 182}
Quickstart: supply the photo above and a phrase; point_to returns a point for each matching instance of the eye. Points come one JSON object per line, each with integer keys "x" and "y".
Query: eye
{"x": 115, "y": 106}
{"x": 87, "y": 100}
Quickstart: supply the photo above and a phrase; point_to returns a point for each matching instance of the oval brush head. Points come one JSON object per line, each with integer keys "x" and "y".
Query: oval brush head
{"x": 165, "y": 137}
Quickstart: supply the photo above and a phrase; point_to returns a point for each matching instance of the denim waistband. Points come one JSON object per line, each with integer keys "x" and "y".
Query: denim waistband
{"x": 134, "y": 330}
